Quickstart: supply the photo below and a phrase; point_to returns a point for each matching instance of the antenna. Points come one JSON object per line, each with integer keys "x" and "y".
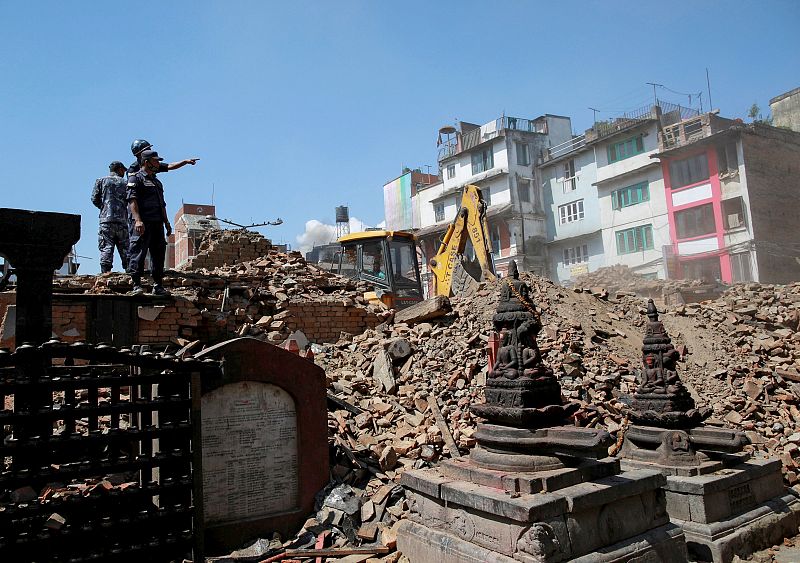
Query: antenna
{"x": 655, "y": 98}
{"x": 212, "y": 193}
{"x": 594, "y": 115}
{"x": 708, "y": 85}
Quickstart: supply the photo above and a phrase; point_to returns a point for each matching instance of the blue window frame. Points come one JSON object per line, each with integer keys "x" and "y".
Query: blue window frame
{"x": 482, "y": 160}
{"x": 630, "y": 195}
{"x": 635, "y": 239}
{"x": 625, "y": 149}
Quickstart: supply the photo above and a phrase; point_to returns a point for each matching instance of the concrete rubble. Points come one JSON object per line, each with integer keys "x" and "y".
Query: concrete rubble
{"x": 399, "y": 392}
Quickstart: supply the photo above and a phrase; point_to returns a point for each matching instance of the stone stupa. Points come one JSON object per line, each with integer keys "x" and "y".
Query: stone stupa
{"x": 535, "y": 488}
{"x": 726, "y": 503}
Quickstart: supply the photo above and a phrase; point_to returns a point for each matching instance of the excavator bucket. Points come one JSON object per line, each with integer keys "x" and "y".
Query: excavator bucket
{"x": 464, "y": 283}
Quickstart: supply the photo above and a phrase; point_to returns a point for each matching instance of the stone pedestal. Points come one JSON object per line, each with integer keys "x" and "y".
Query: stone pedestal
{"x": 726, "y": 504}
{"x": 584, "y": 511}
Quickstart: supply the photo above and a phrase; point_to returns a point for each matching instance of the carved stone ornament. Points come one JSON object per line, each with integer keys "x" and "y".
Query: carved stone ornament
{"x": 661, "y": 399}
{"x": 463, "y": 525}
{"x": 520, "y": 390}
{"x": 539, "y": 541}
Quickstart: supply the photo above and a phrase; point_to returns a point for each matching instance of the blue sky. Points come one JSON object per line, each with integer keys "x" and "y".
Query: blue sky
{"x": 295, "y": 108}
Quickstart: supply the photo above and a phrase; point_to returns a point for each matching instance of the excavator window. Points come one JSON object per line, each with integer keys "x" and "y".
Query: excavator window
{"x": 348, "y": 262}
{"x": 372, "y": 260}
{"x": 404, "y": 263}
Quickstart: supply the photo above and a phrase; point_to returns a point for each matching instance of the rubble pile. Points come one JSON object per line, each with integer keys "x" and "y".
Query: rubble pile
{"x": 620, "y": 278}
{"x": 754, "y": 374}
{"x": 270, "y": 297}
{"x": 401, "y": 394}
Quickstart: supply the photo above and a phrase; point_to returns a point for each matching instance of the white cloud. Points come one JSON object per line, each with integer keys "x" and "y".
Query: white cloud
{"x": 318, "y": 233}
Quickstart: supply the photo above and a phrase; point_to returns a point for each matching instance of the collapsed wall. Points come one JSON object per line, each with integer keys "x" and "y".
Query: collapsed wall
{"x": 269, "y": 298}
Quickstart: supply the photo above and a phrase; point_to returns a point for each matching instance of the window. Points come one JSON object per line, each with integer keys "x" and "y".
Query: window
{"x": 372, "y": 260}
{"x": 523, "y": 155}
{"x": 695, "y": 221}
{"x": 487, "y": 196}
{"x": 403, "y": 259}
{"x": 741, "y": 268}
{"x": 625, "y": 149}
{"x": 635, "y": 239}
{"x": 727, "y": 158}
{"x": 482, "y": 160}
{"x": 570, "y": 182}
{"x": 451, "y": 171}
{"x": 733, "y": 213}
{"x": 703, "y": 269}
{"x": 688, "y": 170}
{"x": 576, "y": 255}
{"x": 630, "y": 195}
{"x": 347, "y": 266}
{"x": 571, "y": 212}
{"x": 524, "y": 190}
{"x": 438, "y": 212}
{"x": 494, "y": 236}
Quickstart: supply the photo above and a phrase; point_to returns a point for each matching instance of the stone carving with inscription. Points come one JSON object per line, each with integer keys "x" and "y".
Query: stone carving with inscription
{"x": 249, "y": 434}
{"x": 463, "y": 525}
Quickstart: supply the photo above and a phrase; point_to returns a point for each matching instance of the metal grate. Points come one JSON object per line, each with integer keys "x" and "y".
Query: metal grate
{"x": 96, "y": 451}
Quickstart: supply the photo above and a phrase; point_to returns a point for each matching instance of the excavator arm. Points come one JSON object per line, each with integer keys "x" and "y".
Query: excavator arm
{"x": 470, "y": 223}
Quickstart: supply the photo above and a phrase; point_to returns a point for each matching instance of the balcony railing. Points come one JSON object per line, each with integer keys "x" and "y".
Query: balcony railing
{"x": 519, "y": 124}
{"x": 559, "y": 150}
{"x": 447, "y": 150}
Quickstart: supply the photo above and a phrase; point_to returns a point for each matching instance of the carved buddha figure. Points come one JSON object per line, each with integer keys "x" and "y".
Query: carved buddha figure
{"x": 507, "y": 363}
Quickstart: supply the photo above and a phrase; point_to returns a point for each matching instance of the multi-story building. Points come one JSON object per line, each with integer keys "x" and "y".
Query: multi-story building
{"x": 575, "y": 243}
{"x": 605, "y": 197}
{"x": 499, "y": 157}
{"x": 398, "y": 196}
{"x": 733, "y": 198}
{"x": 786, "y": 110}
{"x": 188, "y": 227}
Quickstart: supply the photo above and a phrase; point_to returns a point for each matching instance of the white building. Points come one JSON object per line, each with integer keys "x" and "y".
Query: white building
{"x": 499, "y": 157}
{"x": 605, "y": 196}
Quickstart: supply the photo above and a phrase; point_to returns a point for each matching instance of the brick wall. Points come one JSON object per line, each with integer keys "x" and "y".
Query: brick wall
{"x": 772, "y": 168}
{"x": 180, "y": 318}
{"x": 6, "y": 298}
{"x": 324, "y": 321}
{"x": 69, "y": 321}
{"x": 224, "y": 248}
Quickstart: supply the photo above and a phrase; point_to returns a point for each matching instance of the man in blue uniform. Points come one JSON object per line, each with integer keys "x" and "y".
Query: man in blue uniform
{"x": 139, "y": 146}
{"x": 148, "y": 221}
{"x": 109, "y": 197}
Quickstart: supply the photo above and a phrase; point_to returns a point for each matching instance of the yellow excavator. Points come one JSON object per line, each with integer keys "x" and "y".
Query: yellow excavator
{"x": 387, "y": 260}
{"x": 452, "y": 273}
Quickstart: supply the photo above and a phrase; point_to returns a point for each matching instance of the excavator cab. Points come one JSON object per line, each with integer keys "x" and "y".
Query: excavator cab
{"x": 387, "y": 260}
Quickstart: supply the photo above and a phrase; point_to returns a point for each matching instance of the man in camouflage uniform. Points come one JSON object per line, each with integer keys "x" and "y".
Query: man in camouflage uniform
{"x": 109, "y": 196}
